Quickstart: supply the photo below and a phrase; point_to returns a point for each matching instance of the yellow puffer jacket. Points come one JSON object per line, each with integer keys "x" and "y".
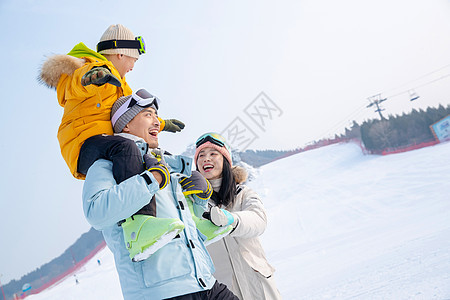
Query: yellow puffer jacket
{"x": 86, "y": 109}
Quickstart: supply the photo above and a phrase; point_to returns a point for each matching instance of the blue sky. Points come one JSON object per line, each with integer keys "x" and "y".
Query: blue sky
{"x": 317, "y": 62}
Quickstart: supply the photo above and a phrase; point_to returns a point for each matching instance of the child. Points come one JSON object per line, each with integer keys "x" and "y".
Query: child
{"x": 87, "y": 84}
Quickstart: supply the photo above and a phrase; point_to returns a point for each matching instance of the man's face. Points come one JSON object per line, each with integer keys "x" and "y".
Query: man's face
{"x": 145, "y": 125}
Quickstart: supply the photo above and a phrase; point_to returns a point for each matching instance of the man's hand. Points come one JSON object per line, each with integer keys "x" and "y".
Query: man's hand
{"x": 198, "y": 185}
{"x": 219, "y": 216}
{"x": 99, "y": 76}
{"x": 173, "y": 125}
{"x": 158, "y": 170}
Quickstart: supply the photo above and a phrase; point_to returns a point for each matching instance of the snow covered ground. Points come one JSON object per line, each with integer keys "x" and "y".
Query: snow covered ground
{"x": 342, "y": 225}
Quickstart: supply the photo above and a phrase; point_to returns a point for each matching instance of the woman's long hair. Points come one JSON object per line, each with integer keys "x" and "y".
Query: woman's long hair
{"x": 227, "y": 192}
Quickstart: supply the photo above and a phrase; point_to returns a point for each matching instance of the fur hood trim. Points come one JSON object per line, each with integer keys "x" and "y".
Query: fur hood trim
{"x": 240, "y": 174}
{"x": 56, "y": 65}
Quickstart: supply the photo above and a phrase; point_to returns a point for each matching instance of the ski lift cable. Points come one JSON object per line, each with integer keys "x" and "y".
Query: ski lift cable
{"x": 362, "y": 110}
{"x": 419, "y": 86}
{"x": 346, "y": 119}
{"x": 339, "y": 124}
{"x": 418, "y": 78}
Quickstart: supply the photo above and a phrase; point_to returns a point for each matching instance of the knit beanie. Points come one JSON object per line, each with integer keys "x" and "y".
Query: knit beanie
{"x": 222, "y": 150}
{"x": 122, "y": 113}
{"x": 119, "y": 32}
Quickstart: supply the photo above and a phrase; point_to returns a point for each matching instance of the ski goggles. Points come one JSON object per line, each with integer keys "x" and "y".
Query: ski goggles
{"x": 214, "y": 138}
{"x": 144, "y": 99}
{"x": 138, "y": 43}
{"x": 141, "y": 98}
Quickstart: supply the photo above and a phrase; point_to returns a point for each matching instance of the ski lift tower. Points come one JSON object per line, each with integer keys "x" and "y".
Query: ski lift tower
{"x": 376, "y": 100}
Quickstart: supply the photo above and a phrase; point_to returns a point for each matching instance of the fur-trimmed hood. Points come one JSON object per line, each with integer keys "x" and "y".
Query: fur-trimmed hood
{"x": 56, "y": 65}
{"x": 240, "y": 174}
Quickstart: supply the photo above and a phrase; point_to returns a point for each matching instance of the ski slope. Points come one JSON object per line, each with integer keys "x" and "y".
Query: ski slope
{"x": 342, "y": 225}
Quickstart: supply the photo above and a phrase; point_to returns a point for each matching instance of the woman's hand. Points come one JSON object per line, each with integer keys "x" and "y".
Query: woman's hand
{"x": 220, "y": 217}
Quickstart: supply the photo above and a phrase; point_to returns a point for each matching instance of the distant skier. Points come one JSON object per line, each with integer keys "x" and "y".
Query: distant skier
{"x": 239, "y": 257}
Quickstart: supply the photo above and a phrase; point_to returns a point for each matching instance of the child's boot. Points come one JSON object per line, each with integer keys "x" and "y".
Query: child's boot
{"x": 212, "y": 232}
{"x": 144, "y": 234}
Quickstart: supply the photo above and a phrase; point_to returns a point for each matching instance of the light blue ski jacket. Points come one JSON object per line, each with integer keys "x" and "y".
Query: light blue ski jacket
{"x": 181, "y": 267}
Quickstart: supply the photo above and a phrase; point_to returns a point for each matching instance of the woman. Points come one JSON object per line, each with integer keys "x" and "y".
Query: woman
{"x": 239, "y": 257}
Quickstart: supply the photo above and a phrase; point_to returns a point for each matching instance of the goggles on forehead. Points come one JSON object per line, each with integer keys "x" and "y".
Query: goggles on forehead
{"x": 138, "y": 44}
{"x": 141, "y": 98}
{"x": 144, "y": 99}
{"x": 214, "y": 138}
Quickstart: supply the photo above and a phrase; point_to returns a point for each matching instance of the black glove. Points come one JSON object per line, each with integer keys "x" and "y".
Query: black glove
{"x": 99, "y": 76}
{"x": 173, "y": 125}
{"x": 153, "y": 165}
{"x": 198, "y": 185}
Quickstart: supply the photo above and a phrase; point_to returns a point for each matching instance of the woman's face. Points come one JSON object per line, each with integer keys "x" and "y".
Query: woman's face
{"x": 210, "y": 163}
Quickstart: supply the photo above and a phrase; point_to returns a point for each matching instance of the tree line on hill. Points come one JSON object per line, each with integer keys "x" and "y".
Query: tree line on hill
{"x": 397, "y": 131}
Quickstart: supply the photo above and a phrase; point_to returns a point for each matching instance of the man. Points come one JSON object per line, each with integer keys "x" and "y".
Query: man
{"x": 182, "y": 269}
